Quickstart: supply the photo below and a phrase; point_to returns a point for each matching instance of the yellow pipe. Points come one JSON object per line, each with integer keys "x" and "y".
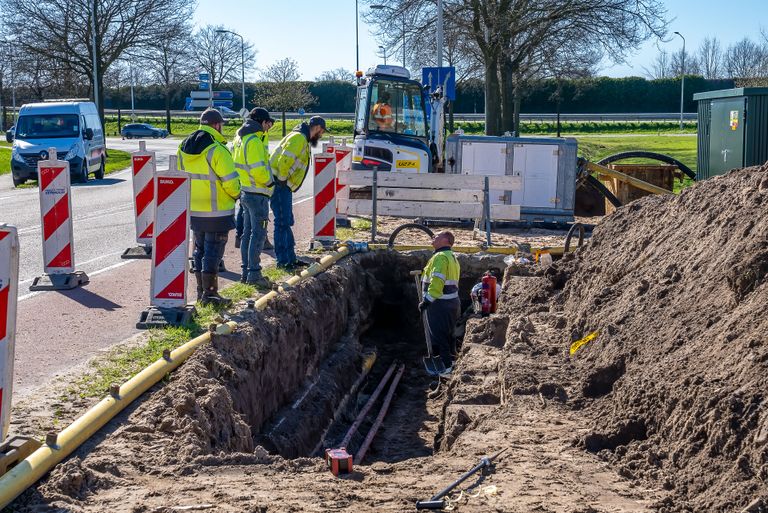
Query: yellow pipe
{"x": 37, "y": 464}
{"x": 554, "y": 251}
{"x": 636, "y": 182}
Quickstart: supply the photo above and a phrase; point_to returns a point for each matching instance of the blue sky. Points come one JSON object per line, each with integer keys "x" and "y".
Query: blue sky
{"x": 320, "y": 35}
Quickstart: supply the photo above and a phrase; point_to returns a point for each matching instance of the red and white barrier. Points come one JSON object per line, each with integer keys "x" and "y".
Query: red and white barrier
{"x": 170, "y": 251}
{"x": 9, "y": 291}
{"x": 324, "y": 166}
{"x": 56, "y": 221}
{"x": 143, "y": 178}
{"x": 343, "y": 163}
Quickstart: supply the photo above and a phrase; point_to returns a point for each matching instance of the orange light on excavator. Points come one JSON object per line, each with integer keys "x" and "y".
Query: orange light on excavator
{"x": 358, "y": 73}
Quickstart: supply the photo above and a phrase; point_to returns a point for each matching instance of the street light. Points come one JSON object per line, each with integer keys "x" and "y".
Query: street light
{"x": 95, "y": 62}
{"x": 384, "y": 50}
{"x": 242, "y": 55}
{"x": 381, "y": 6}
{"x": 439, "y": 33}
{"x": 682, "y": 81}
{"x": 357, "y": 40}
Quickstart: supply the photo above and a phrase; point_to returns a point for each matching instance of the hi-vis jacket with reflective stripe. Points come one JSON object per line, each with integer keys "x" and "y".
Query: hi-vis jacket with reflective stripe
{"x": 251, "y": 153}
{"x": 215, "y": 183}
{"x": 440, "y": 278}
{"x": 290, "y": 160}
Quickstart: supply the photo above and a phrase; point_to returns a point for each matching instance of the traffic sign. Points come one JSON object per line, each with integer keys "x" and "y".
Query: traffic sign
{"x": 204, "y": 86}
{"x": 204, "y": 77}
{"x": 432, "y": 78}
{"x": 301, "y": 111}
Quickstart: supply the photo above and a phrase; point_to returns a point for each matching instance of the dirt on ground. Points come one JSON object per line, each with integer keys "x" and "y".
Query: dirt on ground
{"x": 660, "y": 407}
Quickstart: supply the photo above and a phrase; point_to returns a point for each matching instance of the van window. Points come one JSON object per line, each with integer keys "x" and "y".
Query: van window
{"x": 44, "y": 126}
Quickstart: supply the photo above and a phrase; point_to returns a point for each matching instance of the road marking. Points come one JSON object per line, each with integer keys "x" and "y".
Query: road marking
{"x": 303, "y": 200}
{"x": 90, "y": 275}
{"x": 93, "y": 215}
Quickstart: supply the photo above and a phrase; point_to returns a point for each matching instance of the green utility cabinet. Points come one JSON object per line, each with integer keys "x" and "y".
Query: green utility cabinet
{"x": 733, "y": 130}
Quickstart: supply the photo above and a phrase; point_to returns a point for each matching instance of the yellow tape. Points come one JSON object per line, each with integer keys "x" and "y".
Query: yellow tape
{"x": 579, "y": 343}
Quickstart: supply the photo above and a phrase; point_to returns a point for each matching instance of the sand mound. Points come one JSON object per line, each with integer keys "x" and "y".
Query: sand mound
{"x": 676, "y": 380}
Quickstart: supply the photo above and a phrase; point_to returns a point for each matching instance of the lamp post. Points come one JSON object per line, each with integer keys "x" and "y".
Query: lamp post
{"x": 439, "y": 33}
{"x": 384, "y": 50}
{"x": 357, "y": 39}
{"x": 381, "y": 6}
{"x": 682, "y": 81}
{"x": 242, "y": 57}
{"x": 95, "y": 61}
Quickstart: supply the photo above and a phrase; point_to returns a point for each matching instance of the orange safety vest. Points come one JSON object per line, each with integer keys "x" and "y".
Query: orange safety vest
{"x": 382, "y": 114}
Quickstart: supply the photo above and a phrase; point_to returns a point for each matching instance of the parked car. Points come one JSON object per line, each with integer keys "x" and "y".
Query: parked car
{"x": 141, "y": 130}
{"x": 9, "y": 134}
{"x": 228, "y": 113}
{"x": 73, "y": 128}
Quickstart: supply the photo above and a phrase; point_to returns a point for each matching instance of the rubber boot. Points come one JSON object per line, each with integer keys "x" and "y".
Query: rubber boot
{"x": 237, "y": 241}
{"x": 199, "y": 280}
{"x": 211, "y": 291}
{"x": 260, "y": 283}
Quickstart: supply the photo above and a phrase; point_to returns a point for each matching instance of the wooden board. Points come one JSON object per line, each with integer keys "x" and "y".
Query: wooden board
{"x": 412, "y": 209}
{"x": 505, "y": 212}
{"x": 402, "y": 194}
{"x": 429, "y": 180}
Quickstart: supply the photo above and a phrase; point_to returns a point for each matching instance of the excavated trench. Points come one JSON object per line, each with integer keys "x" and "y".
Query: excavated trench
{"x": 299, "y": 372}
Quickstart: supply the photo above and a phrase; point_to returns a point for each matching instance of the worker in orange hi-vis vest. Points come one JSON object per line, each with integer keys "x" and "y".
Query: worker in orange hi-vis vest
{"x": 382, "y": 113}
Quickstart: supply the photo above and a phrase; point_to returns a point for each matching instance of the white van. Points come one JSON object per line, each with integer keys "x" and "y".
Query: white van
{"x": 72, "y": 127}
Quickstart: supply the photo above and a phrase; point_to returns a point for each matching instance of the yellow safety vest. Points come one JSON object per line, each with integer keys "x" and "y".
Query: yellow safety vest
{"x": 251, "y": 155}
{"x": 440, "y": 278}
{"x": 215, "y": 184}
{"x": 290, "y": 160}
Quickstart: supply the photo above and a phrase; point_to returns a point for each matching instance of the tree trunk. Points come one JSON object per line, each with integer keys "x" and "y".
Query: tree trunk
{"x": 508, "y": 97}
{"x": 283, "y": 116}
{"x": 492, "y": 97}
{"x": 168, "y": 110}
{"x": 518, "y": 100}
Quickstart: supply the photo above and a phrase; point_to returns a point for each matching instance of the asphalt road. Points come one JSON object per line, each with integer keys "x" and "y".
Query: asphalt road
{"x": 57, "y": 330}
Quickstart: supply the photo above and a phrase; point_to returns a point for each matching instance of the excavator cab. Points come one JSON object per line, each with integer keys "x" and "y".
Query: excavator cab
{"x": 391, "y": 131}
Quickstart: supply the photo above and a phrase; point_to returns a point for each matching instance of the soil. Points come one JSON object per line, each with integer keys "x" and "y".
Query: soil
{"x": 661, "y": 411}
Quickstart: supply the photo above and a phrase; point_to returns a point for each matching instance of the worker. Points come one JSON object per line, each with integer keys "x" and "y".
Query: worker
{"x": 440, "y": 283}
{"x": 251, "y": 155}
{"x": 382, "y": 113}
{"x": 289, "y": 163}
{"x": 215, "y": 186}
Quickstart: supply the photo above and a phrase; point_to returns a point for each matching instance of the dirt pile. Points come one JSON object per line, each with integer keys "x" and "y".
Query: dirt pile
{"x": 674, "y": 385}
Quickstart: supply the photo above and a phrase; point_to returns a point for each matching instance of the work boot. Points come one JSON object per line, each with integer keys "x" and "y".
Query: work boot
{"x": 237, "y": 241}
{"x": 199, "y": 280}
{"x": 211, "y": 291}
{"x": 222, "y": 269}
{"x": 260, "y": 283}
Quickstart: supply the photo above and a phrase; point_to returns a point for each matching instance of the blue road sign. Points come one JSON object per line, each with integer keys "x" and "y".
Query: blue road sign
{"x": 203, "y": 86}
{"x": 301, "y": 111}
{"x": 204, "y": 77}
{"x": 431, "y": 78}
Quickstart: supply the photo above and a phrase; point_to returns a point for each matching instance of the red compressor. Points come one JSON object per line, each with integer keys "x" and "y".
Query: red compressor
{"x": 488, "y": 294}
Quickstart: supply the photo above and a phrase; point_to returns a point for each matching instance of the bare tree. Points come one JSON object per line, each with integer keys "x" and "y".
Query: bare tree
{"x": 336, "y": 75}
{"x": 62, "y": 30}
{"x": 168, "y": 64}
{"x": 746, "y": 59}
{"x": 689, "y": 61}
{"x": 710, "y": 57}
{"x": 219, "y": 54}
{"x": 280, "y": 89}
{"x": 661, "y": 67}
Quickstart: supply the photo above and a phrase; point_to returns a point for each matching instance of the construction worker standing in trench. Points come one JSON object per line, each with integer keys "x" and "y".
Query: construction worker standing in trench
{"x": 251, "y": 155}
{"x": 289, "y": 163}
{"x": 215, "y": 186}
{"x": 440, "y": 284}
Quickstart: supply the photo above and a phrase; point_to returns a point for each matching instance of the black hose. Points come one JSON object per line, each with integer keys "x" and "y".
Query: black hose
{"x": 649, "y": 155}
{"x": 407, "y": 226}
{"x": 568, "y": 237}
{"x": 602, "y": 189}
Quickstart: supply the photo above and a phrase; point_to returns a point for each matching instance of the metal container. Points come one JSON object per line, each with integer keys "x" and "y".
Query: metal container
{"x": 733, "y": 130}
{"x": 547, "y": 167}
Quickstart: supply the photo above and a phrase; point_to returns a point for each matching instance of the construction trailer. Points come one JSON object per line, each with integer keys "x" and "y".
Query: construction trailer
{"x": 733, "y": 130}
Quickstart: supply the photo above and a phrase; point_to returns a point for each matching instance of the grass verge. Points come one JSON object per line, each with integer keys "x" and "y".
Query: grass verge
{"x": 117, "y": 161}
{"x": 122, "y": 363}
{"x": 360, "y": 229}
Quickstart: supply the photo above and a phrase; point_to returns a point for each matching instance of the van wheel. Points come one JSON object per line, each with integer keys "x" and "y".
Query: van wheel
{"x": 99, "y": 174}
{"x": 83, "y": 178}
{"x": 18, "y": 181}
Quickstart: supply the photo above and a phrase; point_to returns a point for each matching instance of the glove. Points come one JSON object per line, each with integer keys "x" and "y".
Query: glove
{"x": 424, "y": 305}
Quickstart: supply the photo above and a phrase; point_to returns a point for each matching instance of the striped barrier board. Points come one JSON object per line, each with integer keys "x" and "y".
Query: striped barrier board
{"x": 56, "y": 222}
{"x": 324, "y": 167}
{"x": 170, "y": 243}
{"x": 9, "y": 284}
{"x": 142, "y": 176}
{"x": 343, "y": 163}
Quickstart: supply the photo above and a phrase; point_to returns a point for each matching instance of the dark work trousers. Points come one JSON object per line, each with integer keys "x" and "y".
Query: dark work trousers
{"x": 281, "y": 203}
{"x": 209, "y": 250}
{"x": 239, "y": 219}
{"x": 442, "y": 316}
{"x": 255, "y": 208}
